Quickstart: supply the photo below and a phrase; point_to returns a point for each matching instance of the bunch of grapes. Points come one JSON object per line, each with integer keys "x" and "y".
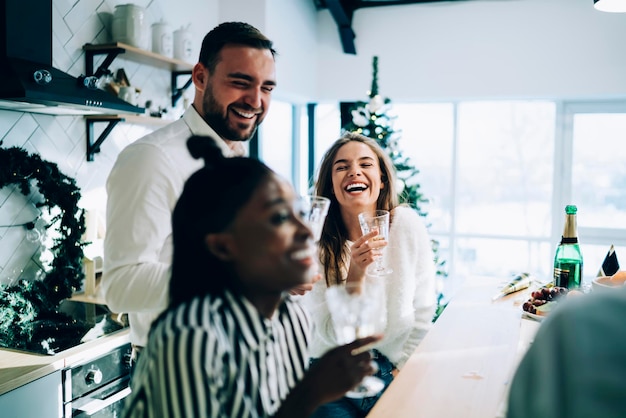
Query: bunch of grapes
{"x": 542, "y": 296}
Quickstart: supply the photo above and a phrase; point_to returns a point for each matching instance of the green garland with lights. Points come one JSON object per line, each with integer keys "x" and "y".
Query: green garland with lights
{"x": 372, "y": 120}
{"x": 29, "y": 310}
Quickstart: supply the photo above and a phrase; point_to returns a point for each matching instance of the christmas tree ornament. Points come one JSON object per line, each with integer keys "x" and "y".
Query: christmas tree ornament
{"x": 33, "y": 234}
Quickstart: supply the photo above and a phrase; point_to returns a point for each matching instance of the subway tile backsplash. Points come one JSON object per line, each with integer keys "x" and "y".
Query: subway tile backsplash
{"x": 61, "y": 139}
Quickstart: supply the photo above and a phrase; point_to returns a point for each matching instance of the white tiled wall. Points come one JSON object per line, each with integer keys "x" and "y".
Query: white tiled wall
{"x": 61, "y": 139}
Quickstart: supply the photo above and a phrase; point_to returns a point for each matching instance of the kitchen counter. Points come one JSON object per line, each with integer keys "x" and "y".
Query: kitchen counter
{"x": 464, "y": 365}
{"x": 18, "y": 368}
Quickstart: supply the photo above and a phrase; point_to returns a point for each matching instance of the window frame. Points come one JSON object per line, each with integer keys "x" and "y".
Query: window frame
{"x": 304, "y": 163}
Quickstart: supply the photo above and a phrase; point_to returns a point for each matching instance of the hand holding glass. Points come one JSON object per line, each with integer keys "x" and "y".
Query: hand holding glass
{"x": 379, "y": 220}
{"x": 357, "y": 311}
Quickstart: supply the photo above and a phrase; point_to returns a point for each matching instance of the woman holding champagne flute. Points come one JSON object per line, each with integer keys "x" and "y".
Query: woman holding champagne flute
{"x": 357, "y": 176}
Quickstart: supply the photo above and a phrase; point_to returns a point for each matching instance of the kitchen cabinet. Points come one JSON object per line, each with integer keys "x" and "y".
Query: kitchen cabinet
{"x": 40, "y": 398}
{"x": 177, "y": 68}
{"x": 31, "y": 384}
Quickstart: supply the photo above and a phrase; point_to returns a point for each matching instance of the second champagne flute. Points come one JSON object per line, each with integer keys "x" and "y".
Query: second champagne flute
{"x": 358, "y": 310}
{"x": 313, "y": 210}
{"x": 379, "y": 220}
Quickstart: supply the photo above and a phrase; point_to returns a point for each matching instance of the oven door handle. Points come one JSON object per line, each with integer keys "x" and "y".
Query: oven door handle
{"x": 96, "y": 405}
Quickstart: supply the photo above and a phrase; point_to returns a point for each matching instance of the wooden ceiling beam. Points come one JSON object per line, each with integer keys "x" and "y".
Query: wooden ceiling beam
{"x": 342, "y": 12}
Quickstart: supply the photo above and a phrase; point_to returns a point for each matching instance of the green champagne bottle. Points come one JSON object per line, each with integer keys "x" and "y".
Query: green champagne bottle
{"x": 568, "y": 261}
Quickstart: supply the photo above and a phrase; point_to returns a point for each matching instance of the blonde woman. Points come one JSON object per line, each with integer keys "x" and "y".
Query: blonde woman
{"x": 357, "y": 176}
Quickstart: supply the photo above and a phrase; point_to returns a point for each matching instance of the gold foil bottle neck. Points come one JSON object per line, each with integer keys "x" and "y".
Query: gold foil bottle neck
{"x": 570, "y": 227}
{"x": 570, "y": 233}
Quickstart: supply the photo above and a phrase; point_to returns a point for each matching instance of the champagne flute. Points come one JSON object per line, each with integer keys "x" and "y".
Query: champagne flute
{"x": 376, "y": 220}
{"x": 313, "y": 210}
{"x": 358, "y": 310}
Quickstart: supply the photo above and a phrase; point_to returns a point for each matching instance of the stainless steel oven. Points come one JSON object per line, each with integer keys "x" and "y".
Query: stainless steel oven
{"x": 98, "y": 387}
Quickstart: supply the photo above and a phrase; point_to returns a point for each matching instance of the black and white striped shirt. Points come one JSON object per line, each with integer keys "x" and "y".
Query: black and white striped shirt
{"x": 218, "y": 357}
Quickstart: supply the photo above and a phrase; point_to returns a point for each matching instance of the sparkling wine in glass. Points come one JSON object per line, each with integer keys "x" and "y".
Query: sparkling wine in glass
{"x": 376, "y": 220}
{"x": 358, "y": 310}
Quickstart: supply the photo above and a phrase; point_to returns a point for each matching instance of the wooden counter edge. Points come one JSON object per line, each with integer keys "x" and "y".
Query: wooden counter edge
{"x": 18, "y": 376}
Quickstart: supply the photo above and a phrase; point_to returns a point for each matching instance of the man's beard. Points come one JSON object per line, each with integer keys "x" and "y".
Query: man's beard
{"x": 217, "y": 120}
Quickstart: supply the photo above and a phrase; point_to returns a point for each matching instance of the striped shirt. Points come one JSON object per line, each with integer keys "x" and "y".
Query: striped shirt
{"x": 219, "y": 357}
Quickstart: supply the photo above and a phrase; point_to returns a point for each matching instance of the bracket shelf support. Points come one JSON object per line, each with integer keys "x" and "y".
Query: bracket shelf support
{"x": 93, "y": 147}
{"x": 111, "y": 54}
{"x": 177, "y": 92}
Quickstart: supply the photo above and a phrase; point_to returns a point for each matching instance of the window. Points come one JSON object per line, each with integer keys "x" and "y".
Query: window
{"x": 327, "y": 130}
{"x": 487, "y": 172}
{"x": 276, "y": 139}
{"x": 498, "y": 175}
{"x": 427, "y": 138}
{"x": 594, "y": 178}
{"x": 599, "y": 169}
{"x": 504, "y": 183}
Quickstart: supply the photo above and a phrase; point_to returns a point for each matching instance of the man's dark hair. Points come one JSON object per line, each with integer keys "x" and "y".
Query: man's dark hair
{"x": 231, "y": 33}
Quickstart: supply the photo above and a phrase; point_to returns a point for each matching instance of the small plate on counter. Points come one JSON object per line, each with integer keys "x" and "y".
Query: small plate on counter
{"x": 543, "y": 300}
{"x": 532, "y": 316}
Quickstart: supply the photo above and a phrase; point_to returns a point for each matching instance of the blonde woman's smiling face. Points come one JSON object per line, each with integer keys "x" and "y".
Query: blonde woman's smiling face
{"x": 356, "y": 176}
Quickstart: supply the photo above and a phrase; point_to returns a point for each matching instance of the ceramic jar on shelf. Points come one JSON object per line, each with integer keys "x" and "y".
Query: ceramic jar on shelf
{"x": 162, "y": 42}
{"x": 129, "y": 25}
{"x": 183, "y": 44}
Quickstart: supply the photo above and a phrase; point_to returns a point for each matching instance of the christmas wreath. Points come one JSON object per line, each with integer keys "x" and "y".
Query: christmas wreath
{"x": 29, "y": 310}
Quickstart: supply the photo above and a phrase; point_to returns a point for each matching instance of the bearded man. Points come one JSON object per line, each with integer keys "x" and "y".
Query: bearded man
{"x": 233, "y": 80}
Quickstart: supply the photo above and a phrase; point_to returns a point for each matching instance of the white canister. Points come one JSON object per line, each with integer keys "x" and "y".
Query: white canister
{"x": 183, "y": 44}
{"x": 129, "y": 25}
{"x": 162, "y": 42}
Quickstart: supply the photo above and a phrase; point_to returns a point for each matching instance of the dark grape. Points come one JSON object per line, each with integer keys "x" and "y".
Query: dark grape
{"x": 542, "y": 296}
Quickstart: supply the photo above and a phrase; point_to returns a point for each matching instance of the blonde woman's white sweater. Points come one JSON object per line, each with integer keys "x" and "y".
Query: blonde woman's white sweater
{"x": 410, "y": 292}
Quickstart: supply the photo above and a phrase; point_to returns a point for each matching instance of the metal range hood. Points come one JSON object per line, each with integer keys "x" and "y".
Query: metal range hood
{"x": 29, "y": 83}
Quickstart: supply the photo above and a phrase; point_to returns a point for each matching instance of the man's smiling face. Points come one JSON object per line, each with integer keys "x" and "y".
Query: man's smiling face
{"x": 237, "y": 95}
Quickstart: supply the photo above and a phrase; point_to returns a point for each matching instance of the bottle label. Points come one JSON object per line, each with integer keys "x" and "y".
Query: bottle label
{"x": 561, "y": 277}
{"x": 568, "y": 275}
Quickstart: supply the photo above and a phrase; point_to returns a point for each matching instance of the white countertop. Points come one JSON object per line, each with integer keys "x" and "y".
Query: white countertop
{"x": 18, "y": 368}
{"x": 464, "y": 365}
